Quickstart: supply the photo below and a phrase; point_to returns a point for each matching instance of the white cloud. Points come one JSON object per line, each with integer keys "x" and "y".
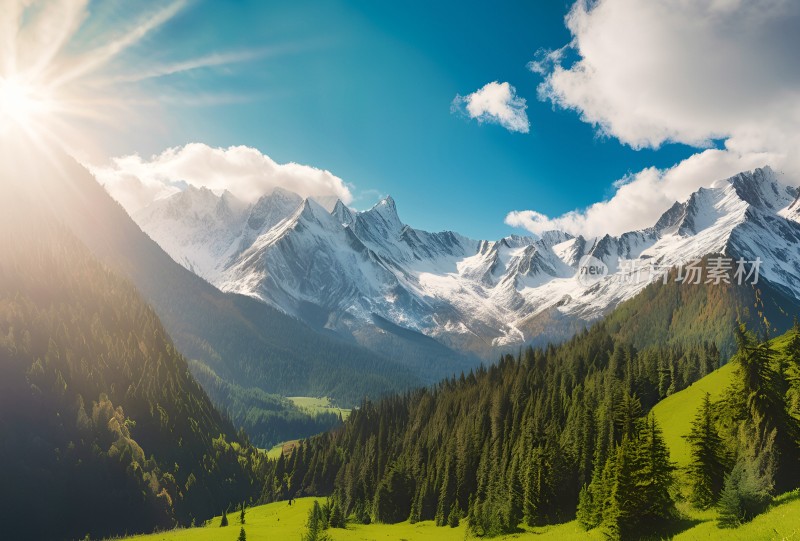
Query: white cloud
{"x": 641, "y": 198}
{"x": 495, "y": 103}
{"x": 244, "y": 171}
{"x": 660, "y": 71}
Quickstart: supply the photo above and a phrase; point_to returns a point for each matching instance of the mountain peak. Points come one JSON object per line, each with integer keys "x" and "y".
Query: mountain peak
{"x": 385, "y": 211}
{"x": 312, "y": 210}
{"x": 342, "y": 213}
{"x": 761, "y": 188}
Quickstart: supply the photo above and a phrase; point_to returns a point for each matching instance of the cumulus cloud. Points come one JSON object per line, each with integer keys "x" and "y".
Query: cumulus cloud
{"x": 649, "y": 73}
{"x": 495, "y": 103}
{"x": 245, "y": 172}
{"x": 641, "y": 198}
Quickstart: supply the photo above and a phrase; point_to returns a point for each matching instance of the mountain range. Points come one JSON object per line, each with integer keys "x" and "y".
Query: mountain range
{"x": 367, "y": 275}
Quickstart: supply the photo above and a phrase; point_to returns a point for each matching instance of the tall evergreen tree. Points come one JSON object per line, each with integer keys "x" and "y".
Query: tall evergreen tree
{"x": 654, "y": 476}
{"x": 764, "y": 385}
{"x": 315, "y": 526}
{"x": 749, "y": 486}
{"x": 708, "y": 465}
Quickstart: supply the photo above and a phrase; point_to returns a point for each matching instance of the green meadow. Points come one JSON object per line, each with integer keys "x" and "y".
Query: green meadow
{"x": 676, "y": 412}
{"x": 280, "y": 521}
{"x": 318, "y": 405}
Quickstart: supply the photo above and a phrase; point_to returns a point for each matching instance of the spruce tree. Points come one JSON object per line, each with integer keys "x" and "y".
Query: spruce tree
{"x": 764, "y": 385}
{"x": 224, "y": 521}
{"x": 454, "y": 518}
{"x": 241, "y": 515}
{"x": 653, "y": 476}
{"x": 315, "y": 527}
{"x": 242, "y": 535}
{"x": 749, "y": 486}
{"x": 708, "y": 465}
{"x": 336, "y": 519}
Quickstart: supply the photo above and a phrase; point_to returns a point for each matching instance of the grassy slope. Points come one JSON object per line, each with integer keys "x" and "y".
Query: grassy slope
{"x": 676, "y": 413}
{"x": 781, "y": 522}
{"x": 284, "y": 448}
{"x": 281, "y": 521}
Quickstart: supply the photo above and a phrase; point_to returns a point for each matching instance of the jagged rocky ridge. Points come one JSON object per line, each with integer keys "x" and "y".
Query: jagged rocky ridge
{"x": 358, "y": 272}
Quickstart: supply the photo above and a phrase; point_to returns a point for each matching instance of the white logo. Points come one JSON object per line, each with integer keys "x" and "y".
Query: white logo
{"x": 591, "y": 270}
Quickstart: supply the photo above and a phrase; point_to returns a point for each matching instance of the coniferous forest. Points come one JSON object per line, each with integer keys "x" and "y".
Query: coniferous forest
{"x": 560, "y": 433}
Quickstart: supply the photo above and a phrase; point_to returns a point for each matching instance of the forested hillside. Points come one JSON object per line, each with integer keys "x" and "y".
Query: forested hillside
{"x": 102, "y": 428}
{"x": 510, "y": 443}
{"x": 673, "y": 313}
{"x": 561, "y": 433}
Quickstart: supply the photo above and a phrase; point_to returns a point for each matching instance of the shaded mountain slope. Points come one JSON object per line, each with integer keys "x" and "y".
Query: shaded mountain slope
{"x": 102, "y": 428}
{"x": 243, "y": 340}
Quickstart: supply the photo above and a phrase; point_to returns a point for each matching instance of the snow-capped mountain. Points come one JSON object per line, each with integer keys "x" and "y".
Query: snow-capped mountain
{"x": 346, "y": 269}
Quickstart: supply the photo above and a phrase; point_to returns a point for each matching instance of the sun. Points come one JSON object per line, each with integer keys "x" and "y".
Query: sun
{"x": 56, "y": 92}
{"x": 67, "y": 77}
{"x": 21, "y": 103}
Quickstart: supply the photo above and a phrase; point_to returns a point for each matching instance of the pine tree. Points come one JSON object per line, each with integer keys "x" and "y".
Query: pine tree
{"x": 454, "y": 518}
{"x": 586, "y": 508}
{"x": 793, "y": 347}
{"x": 241, "y": 515}
{"x": 764, "y": 384}
{"x": 617, "y": 510}
{"x": 707, "y": 469}
{"x": 514, "y": 501}
{"x": 749, "y": 486}
{"x": 224, "y": 521}
{"x": 336, "y": 519}
{"x": 636, "y": 482}
{"x": 653, "y": 476}
{"x": 315, "y": 527}
{"x": 242, "y": 535}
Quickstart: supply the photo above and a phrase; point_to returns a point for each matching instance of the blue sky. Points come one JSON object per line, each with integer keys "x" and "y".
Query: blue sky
{"x": 364, "y": 90}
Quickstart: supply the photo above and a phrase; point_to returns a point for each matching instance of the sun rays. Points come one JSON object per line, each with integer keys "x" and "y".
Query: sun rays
{"x": 57, "y": 77}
